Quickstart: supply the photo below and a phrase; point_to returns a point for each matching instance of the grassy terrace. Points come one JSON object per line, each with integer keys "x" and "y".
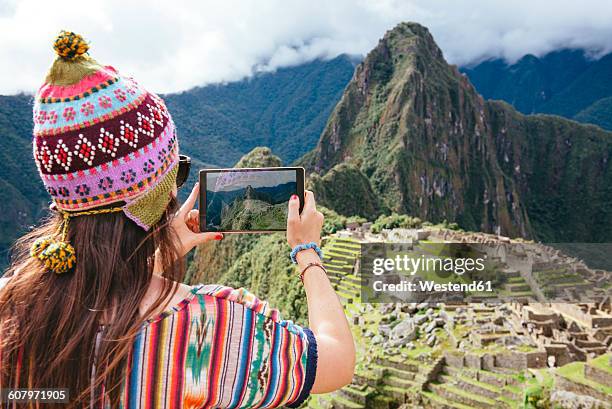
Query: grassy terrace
{"x": 516, "y": 286}
{"x": 557, "y": 279}
{"x": 381, "y": 379}
{"x": 602, "y": 362}
{"x": 340, "y": 255}
{"x": 479, "y": 388}
{"x": 438, "y": 401}
{"x": 455, "y": 394}
{"x": 575, "y": 373}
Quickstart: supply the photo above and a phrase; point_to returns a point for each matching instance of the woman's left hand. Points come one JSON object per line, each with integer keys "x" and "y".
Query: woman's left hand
{"x": 186, "y": 224}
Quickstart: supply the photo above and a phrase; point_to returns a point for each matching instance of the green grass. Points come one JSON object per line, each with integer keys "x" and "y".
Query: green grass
{"x": 602, "y": 362}
{"x": 511, "y": 403}
{"x": 516, "y": 294}
{"x": 547, "y": 378}
{"x": 483, "y": 385}
{"x": 575, "y": 373}
{"x": 514, "y": 389}
{"x": 468, "y": 395}
{"x": 393, "y": 390}
{"x": 346, "y": 402}
{"x": 359, "y": 392}
{"x": 432, "y": 396}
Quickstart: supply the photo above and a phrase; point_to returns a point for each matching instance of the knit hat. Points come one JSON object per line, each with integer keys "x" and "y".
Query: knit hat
{"x": 100, "y": 138}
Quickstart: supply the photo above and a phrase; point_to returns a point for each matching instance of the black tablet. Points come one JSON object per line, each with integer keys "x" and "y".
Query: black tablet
{"x": 248, "y": 200}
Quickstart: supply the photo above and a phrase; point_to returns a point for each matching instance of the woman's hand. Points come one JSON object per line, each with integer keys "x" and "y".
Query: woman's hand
{"x": 186, "y": 224}
{"x": 305, "y": 227}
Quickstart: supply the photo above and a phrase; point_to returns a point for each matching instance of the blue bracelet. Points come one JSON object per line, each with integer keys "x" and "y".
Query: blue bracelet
{"x": 300, "y": 247}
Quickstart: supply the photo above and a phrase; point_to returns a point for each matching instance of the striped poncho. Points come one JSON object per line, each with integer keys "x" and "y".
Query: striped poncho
{"x": 220, "y": 348}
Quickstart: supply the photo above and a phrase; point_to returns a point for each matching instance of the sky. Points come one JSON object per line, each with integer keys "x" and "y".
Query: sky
{"x": 233, "y": 180}
{"x": 171, "y": 46}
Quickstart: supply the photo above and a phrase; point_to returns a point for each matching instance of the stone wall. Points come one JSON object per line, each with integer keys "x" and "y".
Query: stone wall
{"x": 598, "y": 375}
{"x": 536, "y": 359}
{"x": 510, "y": 360}
{"x": 601, "y": 322}
{"x": 435, "y": 370}
{"x": 521, "y": 360}
{"x": 564, "y": 384}
{"x": 560, "y": 352}
{"x": 454, "y": 359}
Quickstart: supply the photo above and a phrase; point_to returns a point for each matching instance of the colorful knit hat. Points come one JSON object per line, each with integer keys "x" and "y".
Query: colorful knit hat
{"x": 100, "y": 138}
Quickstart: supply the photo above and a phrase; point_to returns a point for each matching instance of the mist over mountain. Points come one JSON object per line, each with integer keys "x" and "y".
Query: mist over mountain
{"x": 285, "y": 111}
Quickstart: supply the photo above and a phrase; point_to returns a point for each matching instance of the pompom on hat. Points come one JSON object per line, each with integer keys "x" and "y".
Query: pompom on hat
{"x": 100, "y": 139}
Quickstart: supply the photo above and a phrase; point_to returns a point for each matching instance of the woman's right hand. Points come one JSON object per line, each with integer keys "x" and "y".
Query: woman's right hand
{"x": 305, "y": 227}
{"x": 326, "y": 318}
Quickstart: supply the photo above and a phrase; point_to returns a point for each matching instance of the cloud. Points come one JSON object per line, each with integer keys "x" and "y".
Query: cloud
{"x": 173, "y": 46}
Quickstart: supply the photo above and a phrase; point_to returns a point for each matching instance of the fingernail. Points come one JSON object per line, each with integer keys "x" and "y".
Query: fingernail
{"x": 218, "y": 236}
{"x": 293, "y": 197}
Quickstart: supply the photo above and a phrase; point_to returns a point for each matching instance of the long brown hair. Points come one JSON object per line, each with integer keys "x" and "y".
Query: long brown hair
{"x": 48, "y": 322}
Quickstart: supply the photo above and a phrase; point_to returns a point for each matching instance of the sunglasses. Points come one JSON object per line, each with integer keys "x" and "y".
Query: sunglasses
{"x": 183, "y": 170}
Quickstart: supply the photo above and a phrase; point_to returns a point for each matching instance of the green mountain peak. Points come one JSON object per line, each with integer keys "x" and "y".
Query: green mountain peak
{"x": 259, "y": 157}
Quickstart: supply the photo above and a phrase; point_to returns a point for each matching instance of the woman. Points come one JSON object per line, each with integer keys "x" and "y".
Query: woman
{"x": 92, "y": 301}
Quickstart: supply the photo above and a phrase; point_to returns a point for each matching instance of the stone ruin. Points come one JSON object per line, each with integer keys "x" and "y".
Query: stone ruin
{"x": 483, "y": 367}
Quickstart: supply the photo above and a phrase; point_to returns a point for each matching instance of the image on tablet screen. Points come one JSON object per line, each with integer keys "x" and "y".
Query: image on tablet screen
{"x": 248, "y": 200}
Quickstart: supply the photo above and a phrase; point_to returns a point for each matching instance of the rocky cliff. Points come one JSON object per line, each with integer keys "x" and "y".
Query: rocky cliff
{"x": 432, "y": 147}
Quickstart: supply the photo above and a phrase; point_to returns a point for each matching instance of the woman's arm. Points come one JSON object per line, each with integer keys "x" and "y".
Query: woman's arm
{"x": 336, "y": 348}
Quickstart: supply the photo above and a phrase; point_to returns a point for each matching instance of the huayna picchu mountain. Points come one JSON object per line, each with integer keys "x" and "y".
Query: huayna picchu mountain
{"x": 432, "y": 147}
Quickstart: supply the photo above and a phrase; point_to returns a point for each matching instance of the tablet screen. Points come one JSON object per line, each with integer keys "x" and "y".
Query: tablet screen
{"x": 243, "y": 200}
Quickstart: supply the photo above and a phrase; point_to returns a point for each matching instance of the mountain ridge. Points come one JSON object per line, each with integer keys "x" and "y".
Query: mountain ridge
{"x": 565, "y": 82}
{"x": 285, "y": 111}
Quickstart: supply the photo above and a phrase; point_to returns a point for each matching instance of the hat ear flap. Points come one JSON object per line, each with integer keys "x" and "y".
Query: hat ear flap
{"x": 147, "y": 209}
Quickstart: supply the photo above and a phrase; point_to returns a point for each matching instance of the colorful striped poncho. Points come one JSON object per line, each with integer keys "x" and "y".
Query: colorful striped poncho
{"x": 220, "y": 348}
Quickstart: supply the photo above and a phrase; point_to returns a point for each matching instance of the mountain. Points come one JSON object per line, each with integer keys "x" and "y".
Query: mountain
{"x": 217, "y": 124}
{"x": 22, "y": 193}
{"x": 246, "y": 208}
{"x": 285, "y": 111}
{"x": 432, "y": 147}
{"x": 565, "y": 82}
{"x": 355, "y": 197}
{"x": 260, "y": 157}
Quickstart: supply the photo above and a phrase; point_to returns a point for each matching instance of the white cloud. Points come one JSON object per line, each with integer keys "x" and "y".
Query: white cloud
{"x": 172, "y": 46}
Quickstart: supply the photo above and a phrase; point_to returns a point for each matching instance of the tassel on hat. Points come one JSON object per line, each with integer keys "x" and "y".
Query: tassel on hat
{"x": 57, "y": 255}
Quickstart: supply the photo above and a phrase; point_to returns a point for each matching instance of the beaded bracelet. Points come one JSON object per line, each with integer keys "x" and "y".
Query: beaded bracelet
{"x": 300, "y": 247}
